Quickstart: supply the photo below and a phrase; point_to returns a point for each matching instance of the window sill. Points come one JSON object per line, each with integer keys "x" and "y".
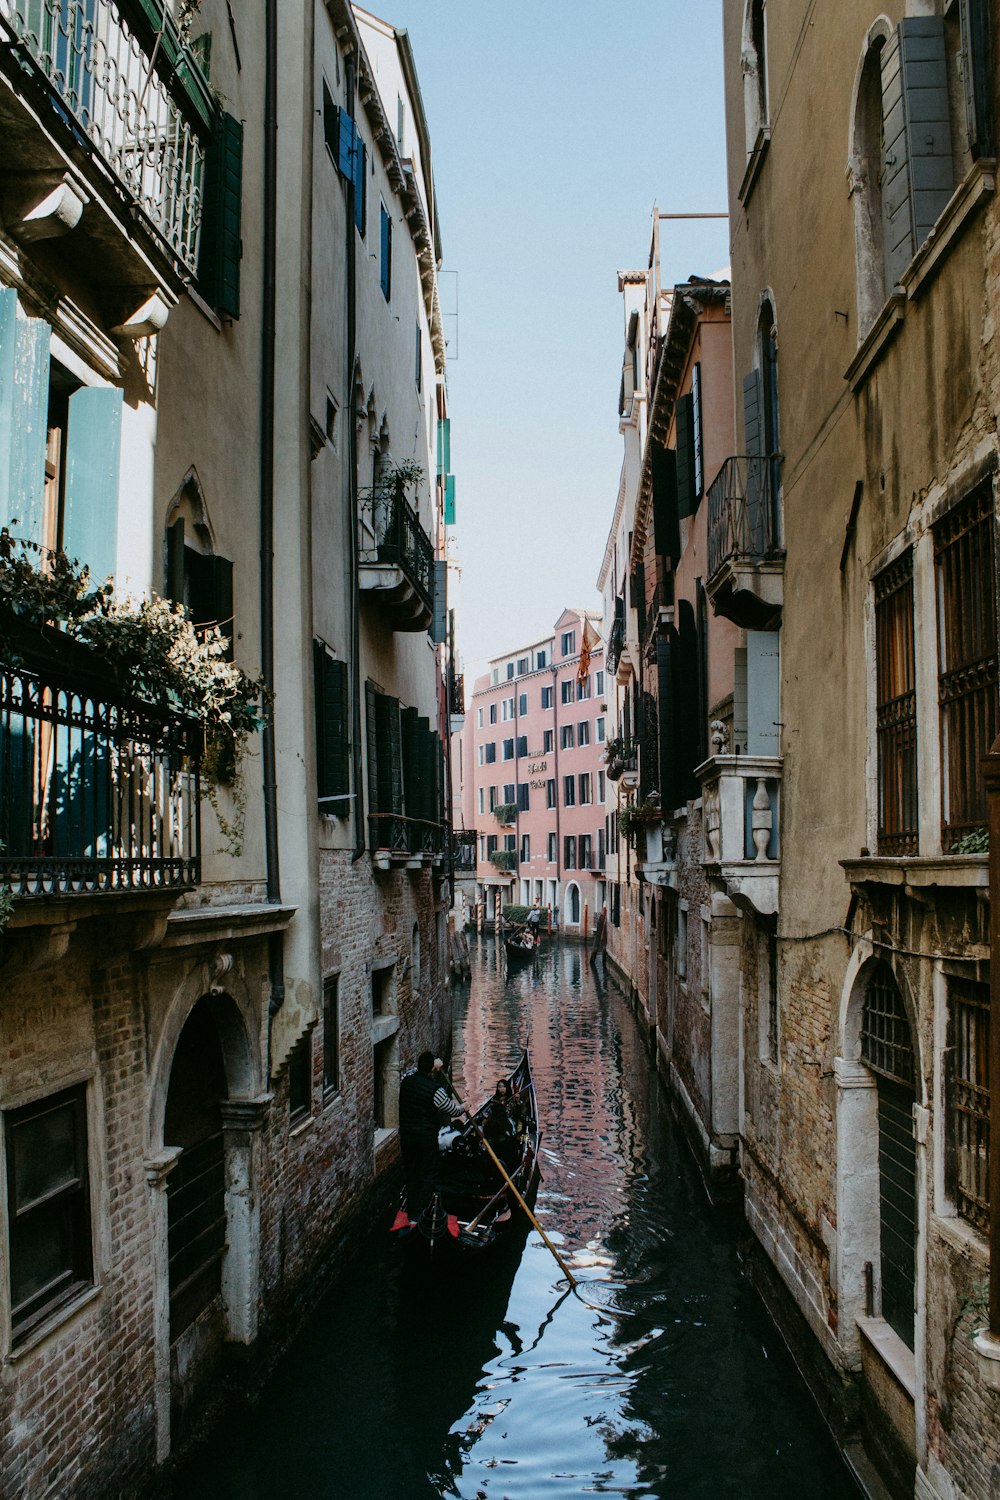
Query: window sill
{"x": 890, "y": 1349}
{"x": 301, "y": 1126}
{"x": 55, "y": 1321}
{"x": 383, "y": 1027}
{"x": 970, "y": 871}
{"x": 877, "y": 340}
{"x": 754, "y": 164}
{"x": 979, "y": 184}
{"x": 963, "y": 1237}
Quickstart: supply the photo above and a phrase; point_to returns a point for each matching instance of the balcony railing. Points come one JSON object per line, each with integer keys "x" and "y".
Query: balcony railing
{"x": 463, "y": 849}
{"x": 456, "y": 692}
{"x": 742, "y": 512}
{"x": 394, "y": 543}
{"x": 97, "y": 793}
{"x": 615, "y": 646}
{"x": 741, "y": 806}
{"x": 406, "y": 838}
{"x": 121, "y": 103}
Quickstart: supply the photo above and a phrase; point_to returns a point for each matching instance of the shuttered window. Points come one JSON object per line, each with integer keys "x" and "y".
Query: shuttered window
{"x": 666, "y": 532}
{"x": 385, "y": 252}
{"x": 896, "y": 709}
{"x": 918, "y": 173}
{"x": 697, "y": 438}
{"x": 333, "y": 760}
{"x": 977, "y": 75}
{"x": 969, "y": 1057}
{"x": 221, "y": 246}
{"x": 687, "y": 495}
{"x": 343, "y": 140}
{"x": 24, "y": 395}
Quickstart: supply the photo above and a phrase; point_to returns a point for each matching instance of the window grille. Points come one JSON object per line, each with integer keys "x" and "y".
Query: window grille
{"x": 970, "y": 1122}
{"x": 896, "y": 709}
{"x": 886, "y": 1043}
{"x": 967, "y": 659}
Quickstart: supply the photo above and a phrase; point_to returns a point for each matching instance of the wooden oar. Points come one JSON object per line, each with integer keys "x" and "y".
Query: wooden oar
{"x": 510, "y": 1183}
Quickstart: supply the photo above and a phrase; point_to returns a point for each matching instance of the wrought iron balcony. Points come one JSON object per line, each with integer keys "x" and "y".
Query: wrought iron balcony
{"x": 397, "y": 557}
{"x": 112, "y": 120}
{"x": 745, "y": 556}
{"x": 622, "y": 761}
{"x": 456, "y": 693}
{"x": 741, "y": 807}
{"x": 615, "y": 646}
{"x": 411, "y": 842}
{"x": 463, "y": 849}
{"x": 98, "y": 793}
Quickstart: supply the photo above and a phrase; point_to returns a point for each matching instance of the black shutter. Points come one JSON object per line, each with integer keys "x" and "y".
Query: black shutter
{"x": 669, "y": 776}
{"x": 412, "y": 789}
{"x": 977, "y": 72}
{"x": 687, "y": 499}
{"x": 666, "y": 531}
{"x": 372, "y": 695}
{"x": 332, "y": 743}
{"x": 220, "y": 572}
{"x": 221, "y": 244}
{"x": 395, "y": 744}
{"x": 175, "y": 561}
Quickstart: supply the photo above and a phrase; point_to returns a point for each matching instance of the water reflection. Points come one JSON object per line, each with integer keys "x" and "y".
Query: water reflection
{"x": 662, "y": 1379}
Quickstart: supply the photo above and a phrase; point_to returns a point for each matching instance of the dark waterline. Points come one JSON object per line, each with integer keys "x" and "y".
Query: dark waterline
{"x": 499, "y": 1385}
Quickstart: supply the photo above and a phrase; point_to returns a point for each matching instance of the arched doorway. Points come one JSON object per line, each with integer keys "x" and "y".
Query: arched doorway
{"x": 196, "y": 1188}
{"x": 573, "y": 901}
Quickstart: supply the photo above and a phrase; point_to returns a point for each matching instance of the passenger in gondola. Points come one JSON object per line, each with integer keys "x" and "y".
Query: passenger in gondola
{"x": 424, "y": 1101}
{"x": 499, "y": 1130}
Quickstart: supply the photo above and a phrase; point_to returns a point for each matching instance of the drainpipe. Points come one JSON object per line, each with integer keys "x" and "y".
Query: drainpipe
{"x": 276, "y": 958}
{"x": 991, "y": 779}
{"x": 555, "y": 767}
{"x": 350, "y": 263}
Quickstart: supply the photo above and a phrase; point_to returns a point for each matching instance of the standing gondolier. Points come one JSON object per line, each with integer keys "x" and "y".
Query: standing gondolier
{"x": 425, "y": 1103}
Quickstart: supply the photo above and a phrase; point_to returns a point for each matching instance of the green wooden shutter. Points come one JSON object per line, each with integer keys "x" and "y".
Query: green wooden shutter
{"x": 753, "y": 430}
{"x": 449, "y": 500}
{"x": 221, "y": 243}
{"x": 332, "y": 738}
{"x": 977, "y": 75}
{"x": 395, "y": 743}
{"x": 93, "y": 453}
{"x": 918, "y": 175}
{"x": 24, "y": 400}
{"x": 385, "y": 252}
{"x": 360, "y": 184}
{"x": 666, "y": 531}
{"x": 687, "y": 500}
{"x": 410, "y": 738}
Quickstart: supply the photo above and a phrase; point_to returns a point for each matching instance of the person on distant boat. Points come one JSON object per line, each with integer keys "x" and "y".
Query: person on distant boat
{"x": 424, "y": 1102}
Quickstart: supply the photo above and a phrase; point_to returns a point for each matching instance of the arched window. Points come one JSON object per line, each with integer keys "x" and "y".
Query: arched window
{"x": 197, "y": 576}
{"x": 754, "y": 64}
{"x": 866, "y": 172}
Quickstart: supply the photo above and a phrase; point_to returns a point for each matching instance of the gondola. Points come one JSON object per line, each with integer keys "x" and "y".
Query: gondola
{"x": 472, "y": 1207}
{"x": 521, "y": 943}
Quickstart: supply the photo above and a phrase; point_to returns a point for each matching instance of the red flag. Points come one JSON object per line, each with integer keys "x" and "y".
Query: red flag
{"x": 590, "y": 640}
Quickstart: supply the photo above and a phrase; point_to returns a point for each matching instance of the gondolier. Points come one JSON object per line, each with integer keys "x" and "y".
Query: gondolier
{"x": 425, "y": 1103}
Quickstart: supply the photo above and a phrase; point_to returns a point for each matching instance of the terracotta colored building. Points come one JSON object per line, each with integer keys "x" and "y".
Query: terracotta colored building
{"x": 536, "y": 779}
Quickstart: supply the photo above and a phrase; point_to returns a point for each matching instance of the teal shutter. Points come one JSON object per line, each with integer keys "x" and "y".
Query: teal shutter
{"x": 444, "y": 445}
{"x": 24, "y": 405}
{"x": 345, "y": 145}
{"x": 918, "y": 171}
{"x": 93, "y": 452}
{"x": 221, "y": 243}
{"x": 449, "y": 500}
{"x": 687, "y": 499}
{"x": 360, "y": 184}
{"x": 697, "y": 436}
{"x": 439, "y": 623}
{"x": 385, "y": 252}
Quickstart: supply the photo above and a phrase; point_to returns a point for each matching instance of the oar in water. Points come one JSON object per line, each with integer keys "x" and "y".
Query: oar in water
{"x": 510, "y": 1183}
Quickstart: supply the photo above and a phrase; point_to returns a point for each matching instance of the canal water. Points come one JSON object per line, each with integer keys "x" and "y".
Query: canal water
{"x": 663, "y": 1378}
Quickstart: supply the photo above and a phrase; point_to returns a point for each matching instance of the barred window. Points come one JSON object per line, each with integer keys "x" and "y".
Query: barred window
{"x": 969, "y": 1020}
{"x": 896, "y": 709}
{"x": 886, "y": 1044}
{"x": 967, "y": 659}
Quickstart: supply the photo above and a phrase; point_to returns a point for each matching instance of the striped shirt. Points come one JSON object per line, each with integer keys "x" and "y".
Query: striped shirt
{"x": 445, "y": 1103}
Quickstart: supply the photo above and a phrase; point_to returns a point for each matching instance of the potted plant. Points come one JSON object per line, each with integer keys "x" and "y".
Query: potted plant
{"x": 505, "y": 812}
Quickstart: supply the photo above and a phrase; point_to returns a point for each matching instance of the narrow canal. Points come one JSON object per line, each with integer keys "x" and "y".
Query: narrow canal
{"x": 666, "y": 1381}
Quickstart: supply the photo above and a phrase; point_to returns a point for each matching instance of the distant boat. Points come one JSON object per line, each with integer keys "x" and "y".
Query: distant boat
{"x": 472, "y": 1206}
{"x": 521, "y": 942}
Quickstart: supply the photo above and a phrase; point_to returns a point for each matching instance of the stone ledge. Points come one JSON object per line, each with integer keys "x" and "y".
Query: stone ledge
{"x": 891, "y": 1350}
{"x": 956, "y": 871}
{"x": 214, "y": 924}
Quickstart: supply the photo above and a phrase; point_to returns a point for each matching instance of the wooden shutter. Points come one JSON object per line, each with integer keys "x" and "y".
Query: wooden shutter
{"x": 221, "y": 243}
{"x": 24, "y": 400}
{"x": 687, "y": 500}
{"x": 345, "y": 145}
{"x": 412, "y": 767}
{"x": 918, "y": 173}
{"x": 977, "y": 75}
{"x": 444, "y": 445}
{"x": 697, "y": 436}
{"x": 449, "y": 500}
{"x": 372, "y": 696}
{"x": 331, "y": 123}
{"x": 332, "y": 738}
{"x": 753, "y": 404}
{"x": 93, "y": 449}
{"x": 385, "y": 252}
{"x": 666, "y": 531}
{"x": 390, "y": 715}
{"x": 220, "y": 574}
{"x": 360, "y": 183}
{"x": 439, "y": 622}
{"x": 175, "y": 561}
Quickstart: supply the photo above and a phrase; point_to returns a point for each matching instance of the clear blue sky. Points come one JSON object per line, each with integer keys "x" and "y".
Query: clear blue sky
{"x": 555, "y": 126}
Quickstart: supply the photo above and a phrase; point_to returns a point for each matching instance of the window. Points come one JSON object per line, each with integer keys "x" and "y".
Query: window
{"x": 523, "y": 665}
{"x": 510, "y": 842}
{"x": 546, "y": 697}
{"x": 754, "y": 61}
{"x": 541, "y": 659}
{"x": 482, "y": 848}
{"x": 601, "y": 849}
{"x": 418, "y": 373}
{"x": 569, "y": 791}
{"x": 696, "y": 431}
{"x": 490, "y": 755}
{"x": 482, "y": 799}
{"x": 585, "y": 789}
{"x": 586, "y": 851}
{"x": 583, "y": 732}
{"x": 300, "y": 1080}
{"x": 525, "y": 848}
{"x": 385, "y": 252}
{"x": 493, "y": 713}
{"x": 196, "y": 578}
{"x": 523, "y": 794}
{"x": 600, "y": 786}
{"x": 568, "y": 693}
{"x": 494, "y": 797}
{"x": 382, "y": 989}
{"x": 613, "y": 833}
{"x": 522, "y": 703}
{"x": 967, "y": 659}
{"x": 479, "y": 718}
{"x": 682, "y": 942}
{"x": 969, "y": 1053}
{"x": 599, "y": 730}
{"x": 508, "y": 749}
{"x": 491, "y": 844}
{"x": 896, "y": 709}
{"x": 566, "y": 737}
{"x": 599, "y": 684}
{"x": 522, "y": 744}
{"x": 509, "y": 792}
{"x": 507, "y": 709}
{"x": 481, "y": 754}
{"x": 569, "y": 852}
{"x": 550, "y": 793}
{"x": 333, "y": 757}
{"x": 583, "y": 688}
{"x": 48, "y": 1205}
{"x": 568, "y": 642}
{"x": 510, "y": 670}
{"x": 548, "y": 741}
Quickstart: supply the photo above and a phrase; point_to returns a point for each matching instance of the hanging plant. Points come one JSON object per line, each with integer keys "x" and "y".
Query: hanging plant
{"x": 152, "y": 651}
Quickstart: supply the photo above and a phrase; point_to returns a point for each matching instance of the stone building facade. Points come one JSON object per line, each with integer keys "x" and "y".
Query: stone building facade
{"x": 206, "y": 1008}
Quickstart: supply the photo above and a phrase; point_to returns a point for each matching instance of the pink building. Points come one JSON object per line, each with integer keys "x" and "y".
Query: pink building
{"x": 535, "y": 739}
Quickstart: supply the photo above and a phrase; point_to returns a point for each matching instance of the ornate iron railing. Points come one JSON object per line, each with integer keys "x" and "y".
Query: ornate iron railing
{"x": 126, "y": 104}
{"x": 463, "y": 848}
{"x": 97, "y": 793}
{"x": 615, "y": 646}
{"x": 743, "y": 511}
{"x": 396, "y": 834}
{"x": 392, "y": 535}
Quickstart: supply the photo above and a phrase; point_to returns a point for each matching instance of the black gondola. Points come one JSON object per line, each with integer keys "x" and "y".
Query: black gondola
{"x": 521, "y": 943}
{"x": 472, "y": 1205}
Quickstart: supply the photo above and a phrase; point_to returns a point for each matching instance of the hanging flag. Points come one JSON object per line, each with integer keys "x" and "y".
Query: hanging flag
{"x": 589, "y": 641}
